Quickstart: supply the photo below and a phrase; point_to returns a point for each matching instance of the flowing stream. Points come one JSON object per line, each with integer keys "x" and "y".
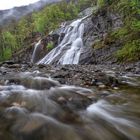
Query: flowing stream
{"x": 33, "y": 107}
{"x": 69, "y": 49}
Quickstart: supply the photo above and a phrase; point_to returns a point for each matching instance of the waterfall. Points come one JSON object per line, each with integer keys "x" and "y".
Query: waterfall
{"x": 37, "y": 49}
{"x": 69, "y": 49}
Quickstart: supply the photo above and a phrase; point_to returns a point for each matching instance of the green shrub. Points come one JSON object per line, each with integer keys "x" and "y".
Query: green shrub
{"x": 100, "y": 3}
{"x": 49, "y": 18}
{"x": 7, "y": 54}
{"x": 10, "y": 40}
{"x": 135, "y": 25}
{"x": 120, "y": 33}
{"x": 50, "y": 46}
{"x": 130, "y": 51}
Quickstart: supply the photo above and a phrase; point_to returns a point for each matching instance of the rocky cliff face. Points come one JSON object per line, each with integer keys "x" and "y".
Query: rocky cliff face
{"x": 97, "y": 28}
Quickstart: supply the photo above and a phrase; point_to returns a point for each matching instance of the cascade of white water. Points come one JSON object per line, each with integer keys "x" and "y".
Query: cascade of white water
{"x": 69, "y": 49}
{"x": 35, "y": 52}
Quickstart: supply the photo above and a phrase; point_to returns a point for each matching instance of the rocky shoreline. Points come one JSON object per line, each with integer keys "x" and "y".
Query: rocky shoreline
{"x": 79, "y": 75}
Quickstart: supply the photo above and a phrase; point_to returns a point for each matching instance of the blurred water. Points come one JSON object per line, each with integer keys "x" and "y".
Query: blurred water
{"x": 38, "y": 108}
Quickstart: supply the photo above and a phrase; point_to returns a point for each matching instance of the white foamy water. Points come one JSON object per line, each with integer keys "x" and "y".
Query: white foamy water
{"x": 69, "y": 49}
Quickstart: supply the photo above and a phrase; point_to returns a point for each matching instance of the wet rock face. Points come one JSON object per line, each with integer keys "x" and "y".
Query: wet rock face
{"x": 87, "y": 56}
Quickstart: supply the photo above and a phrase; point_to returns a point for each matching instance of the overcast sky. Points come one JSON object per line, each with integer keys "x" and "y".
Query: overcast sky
{"x": 7, "y": 4}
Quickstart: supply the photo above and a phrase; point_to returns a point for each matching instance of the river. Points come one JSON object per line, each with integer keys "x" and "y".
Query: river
{"x": 37, "y": 107}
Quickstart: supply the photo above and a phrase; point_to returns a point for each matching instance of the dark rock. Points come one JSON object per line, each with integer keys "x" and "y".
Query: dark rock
{"x": 128, "y": 68}
{"x": 94, "y": 82}
{"x": 62, "y": 35}
{"x": 60, "y": 75}
{"x": 14, "y": 66}
{"x": 3, "y": 70}
{"x": 102, "y": 80}
{"x": 60, "y": 80}
{"x": 8, "y": 62}
{"x": 87, "y": 56}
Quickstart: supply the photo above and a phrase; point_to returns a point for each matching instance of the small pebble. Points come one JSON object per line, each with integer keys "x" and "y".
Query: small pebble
{"x": 102, "y": 86}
